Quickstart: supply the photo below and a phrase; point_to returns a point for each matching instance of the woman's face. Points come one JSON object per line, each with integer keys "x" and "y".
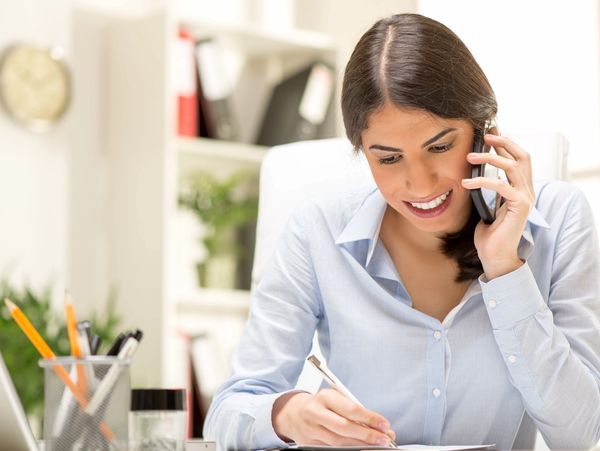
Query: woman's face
{"x": 418, "y": 161}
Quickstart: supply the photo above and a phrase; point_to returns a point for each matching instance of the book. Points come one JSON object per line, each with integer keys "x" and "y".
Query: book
{"x": 216, "y": 117}
{"x": 206, "y": 374}
{"x": 298, "y": 106}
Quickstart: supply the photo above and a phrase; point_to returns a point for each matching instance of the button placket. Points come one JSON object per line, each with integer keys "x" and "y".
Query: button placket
{"x": 436, "y": 379}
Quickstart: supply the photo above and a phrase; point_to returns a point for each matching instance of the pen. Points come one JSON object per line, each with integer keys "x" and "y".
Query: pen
{"x": 47, "y": 353}
{"x": 114, "y": 349}
{"x": 84, "y": 346}
{"x": 112, "y": 375}
{"x": 337, "y": 384}
{"x": 86, "y": 327}
{"x": 95, "y": 344}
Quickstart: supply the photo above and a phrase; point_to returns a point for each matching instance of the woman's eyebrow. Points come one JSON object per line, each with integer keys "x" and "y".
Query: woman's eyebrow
{"x": 425, "y": 144}
{"x": 438, "y": 136}
{"x": 386, "y": 148}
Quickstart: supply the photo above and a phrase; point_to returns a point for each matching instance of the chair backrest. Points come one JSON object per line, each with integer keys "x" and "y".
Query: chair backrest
{"x": 291, "y": 174}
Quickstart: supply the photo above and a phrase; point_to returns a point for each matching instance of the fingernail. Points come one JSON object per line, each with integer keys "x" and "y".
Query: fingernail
{"x": 383, "y": 426}
{"x": 467, "y": 181}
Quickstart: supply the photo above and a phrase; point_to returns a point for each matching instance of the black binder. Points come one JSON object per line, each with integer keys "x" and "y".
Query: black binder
{"x": 299, "y": 106}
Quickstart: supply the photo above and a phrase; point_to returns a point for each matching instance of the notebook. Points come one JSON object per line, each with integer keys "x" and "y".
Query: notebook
{"x": 14, "y": 427}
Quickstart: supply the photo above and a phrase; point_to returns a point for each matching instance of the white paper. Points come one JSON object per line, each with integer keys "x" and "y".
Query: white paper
{"x": 401, "y": 447}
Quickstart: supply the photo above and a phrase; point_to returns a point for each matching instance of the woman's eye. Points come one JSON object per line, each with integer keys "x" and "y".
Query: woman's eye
{"x": 390, "y": 160}
{"x": 440, "y": 148}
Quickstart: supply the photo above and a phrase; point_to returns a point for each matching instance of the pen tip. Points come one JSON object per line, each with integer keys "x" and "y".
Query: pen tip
{"x": 11, "y": 305}
{"x": 312, "y": 358}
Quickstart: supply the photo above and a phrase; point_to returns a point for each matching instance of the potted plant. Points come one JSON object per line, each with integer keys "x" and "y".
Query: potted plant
{"x": 224, "y": 206}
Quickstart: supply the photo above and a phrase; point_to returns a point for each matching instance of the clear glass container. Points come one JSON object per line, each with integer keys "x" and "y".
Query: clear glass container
{"x": 157, "y": 420}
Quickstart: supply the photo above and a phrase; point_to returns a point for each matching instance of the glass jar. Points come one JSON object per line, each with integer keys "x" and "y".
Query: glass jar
{"x": 157, "y": 420}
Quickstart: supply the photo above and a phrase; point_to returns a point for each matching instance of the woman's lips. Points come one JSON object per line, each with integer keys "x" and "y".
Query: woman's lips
{"x": 433, "y": 212}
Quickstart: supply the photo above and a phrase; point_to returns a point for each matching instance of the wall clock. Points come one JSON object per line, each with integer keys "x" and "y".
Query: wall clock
{"x": 34, "y": 85}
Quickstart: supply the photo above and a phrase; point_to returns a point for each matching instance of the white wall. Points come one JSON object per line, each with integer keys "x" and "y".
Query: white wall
{"x": 33, "y": 168}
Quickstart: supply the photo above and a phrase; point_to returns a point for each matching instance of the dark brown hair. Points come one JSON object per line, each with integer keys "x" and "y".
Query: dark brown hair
{"x": 412, "y": 61}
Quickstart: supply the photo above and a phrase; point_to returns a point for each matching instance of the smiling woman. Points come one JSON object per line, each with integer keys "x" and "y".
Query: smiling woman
{"x": 449, "y": 330}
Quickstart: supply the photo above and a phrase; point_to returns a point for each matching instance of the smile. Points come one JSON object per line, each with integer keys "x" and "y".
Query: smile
{"x": 431, "y": 204}
{"x": 430, "y": 209}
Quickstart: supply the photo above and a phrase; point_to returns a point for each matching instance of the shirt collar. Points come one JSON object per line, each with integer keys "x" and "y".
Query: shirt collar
{"x": 365, "y": 224}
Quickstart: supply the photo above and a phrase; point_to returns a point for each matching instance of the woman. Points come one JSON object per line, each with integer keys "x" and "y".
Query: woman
{"x": 449, "y": 330}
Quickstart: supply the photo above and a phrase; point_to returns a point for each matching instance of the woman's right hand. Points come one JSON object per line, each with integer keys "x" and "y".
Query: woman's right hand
{"x": 328, "y": 418}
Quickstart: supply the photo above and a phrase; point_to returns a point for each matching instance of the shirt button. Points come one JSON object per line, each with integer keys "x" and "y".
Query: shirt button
{"x": 512, "y": 359}
{"x": 437, "y": 335}
{"x": 492, "y": 304}
{"x": 436, "y": 392}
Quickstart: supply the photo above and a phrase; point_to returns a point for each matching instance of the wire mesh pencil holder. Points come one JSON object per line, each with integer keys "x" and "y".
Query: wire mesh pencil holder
{"x": 86, "y": 403}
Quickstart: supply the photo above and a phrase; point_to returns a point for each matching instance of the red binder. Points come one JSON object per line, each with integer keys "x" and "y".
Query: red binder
{"x": 185, "y": 85}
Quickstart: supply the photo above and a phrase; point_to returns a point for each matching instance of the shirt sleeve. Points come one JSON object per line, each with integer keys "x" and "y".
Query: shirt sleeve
{"x": 552, "y": 350}
{"x": 277, "y": 337}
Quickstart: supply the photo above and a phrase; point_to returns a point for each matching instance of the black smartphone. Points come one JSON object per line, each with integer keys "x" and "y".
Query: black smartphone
{"x": 486, "y": 201}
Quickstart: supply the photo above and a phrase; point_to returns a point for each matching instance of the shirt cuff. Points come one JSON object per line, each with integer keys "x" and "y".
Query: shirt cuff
{"x": 512, "y": 297}
{"x": 264, "y": 434}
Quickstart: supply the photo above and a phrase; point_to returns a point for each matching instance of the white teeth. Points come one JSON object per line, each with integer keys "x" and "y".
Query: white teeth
{"x": 431, "y": 204}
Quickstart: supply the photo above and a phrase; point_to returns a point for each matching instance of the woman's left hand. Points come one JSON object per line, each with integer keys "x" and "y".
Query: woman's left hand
{"x": 497, "y": 243}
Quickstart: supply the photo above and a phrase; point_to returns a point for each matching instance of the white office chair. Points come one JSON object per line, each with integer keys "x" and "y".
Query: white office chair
{"x": 293, "y": 173}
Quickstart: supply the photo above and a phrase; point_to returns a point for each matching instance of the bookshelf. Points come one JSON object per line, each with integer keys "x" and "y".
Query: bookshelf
{"x": 145, "y": 159}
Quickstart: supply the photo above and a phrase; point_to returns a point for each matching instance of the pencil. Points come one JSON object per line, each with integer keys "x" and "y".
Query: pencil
{"x": 74, "y": 341}
{"x": 47, "y": 353}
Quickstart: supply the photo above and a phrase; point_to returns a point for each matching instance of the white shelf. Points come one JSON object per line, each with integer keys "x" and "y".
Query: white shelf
{"x": 214, "y": 155}
{"x": 255, "y": 41}
{"x": 191, "y": 148}
{"x": 214, "y": 301}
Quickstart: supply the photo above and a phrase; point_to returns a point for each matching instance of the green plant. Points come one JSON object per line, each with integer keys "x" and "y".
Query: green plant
{"x": 223, "y": 206}
{"x": 22, "y": 358}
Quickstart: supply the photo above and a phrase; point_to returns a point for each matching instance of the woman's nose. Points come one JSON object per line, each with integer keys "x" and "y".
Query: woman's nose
{"x": 420, "y": 179}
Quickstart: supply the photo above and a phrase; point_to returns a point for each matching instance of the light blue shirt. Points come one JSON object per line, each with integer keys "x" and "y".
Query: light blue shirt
{"x": 526, "y": 342}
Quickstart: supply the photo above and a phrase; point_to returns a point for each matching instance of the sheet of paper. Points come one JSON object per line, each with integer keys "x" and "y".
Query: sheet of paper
{"x": 400, "y": 447}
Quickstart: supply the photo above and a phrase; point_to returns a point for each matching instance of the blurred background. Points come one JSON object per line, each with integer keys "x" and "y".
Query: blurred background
{"x": 132, "y": 132}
